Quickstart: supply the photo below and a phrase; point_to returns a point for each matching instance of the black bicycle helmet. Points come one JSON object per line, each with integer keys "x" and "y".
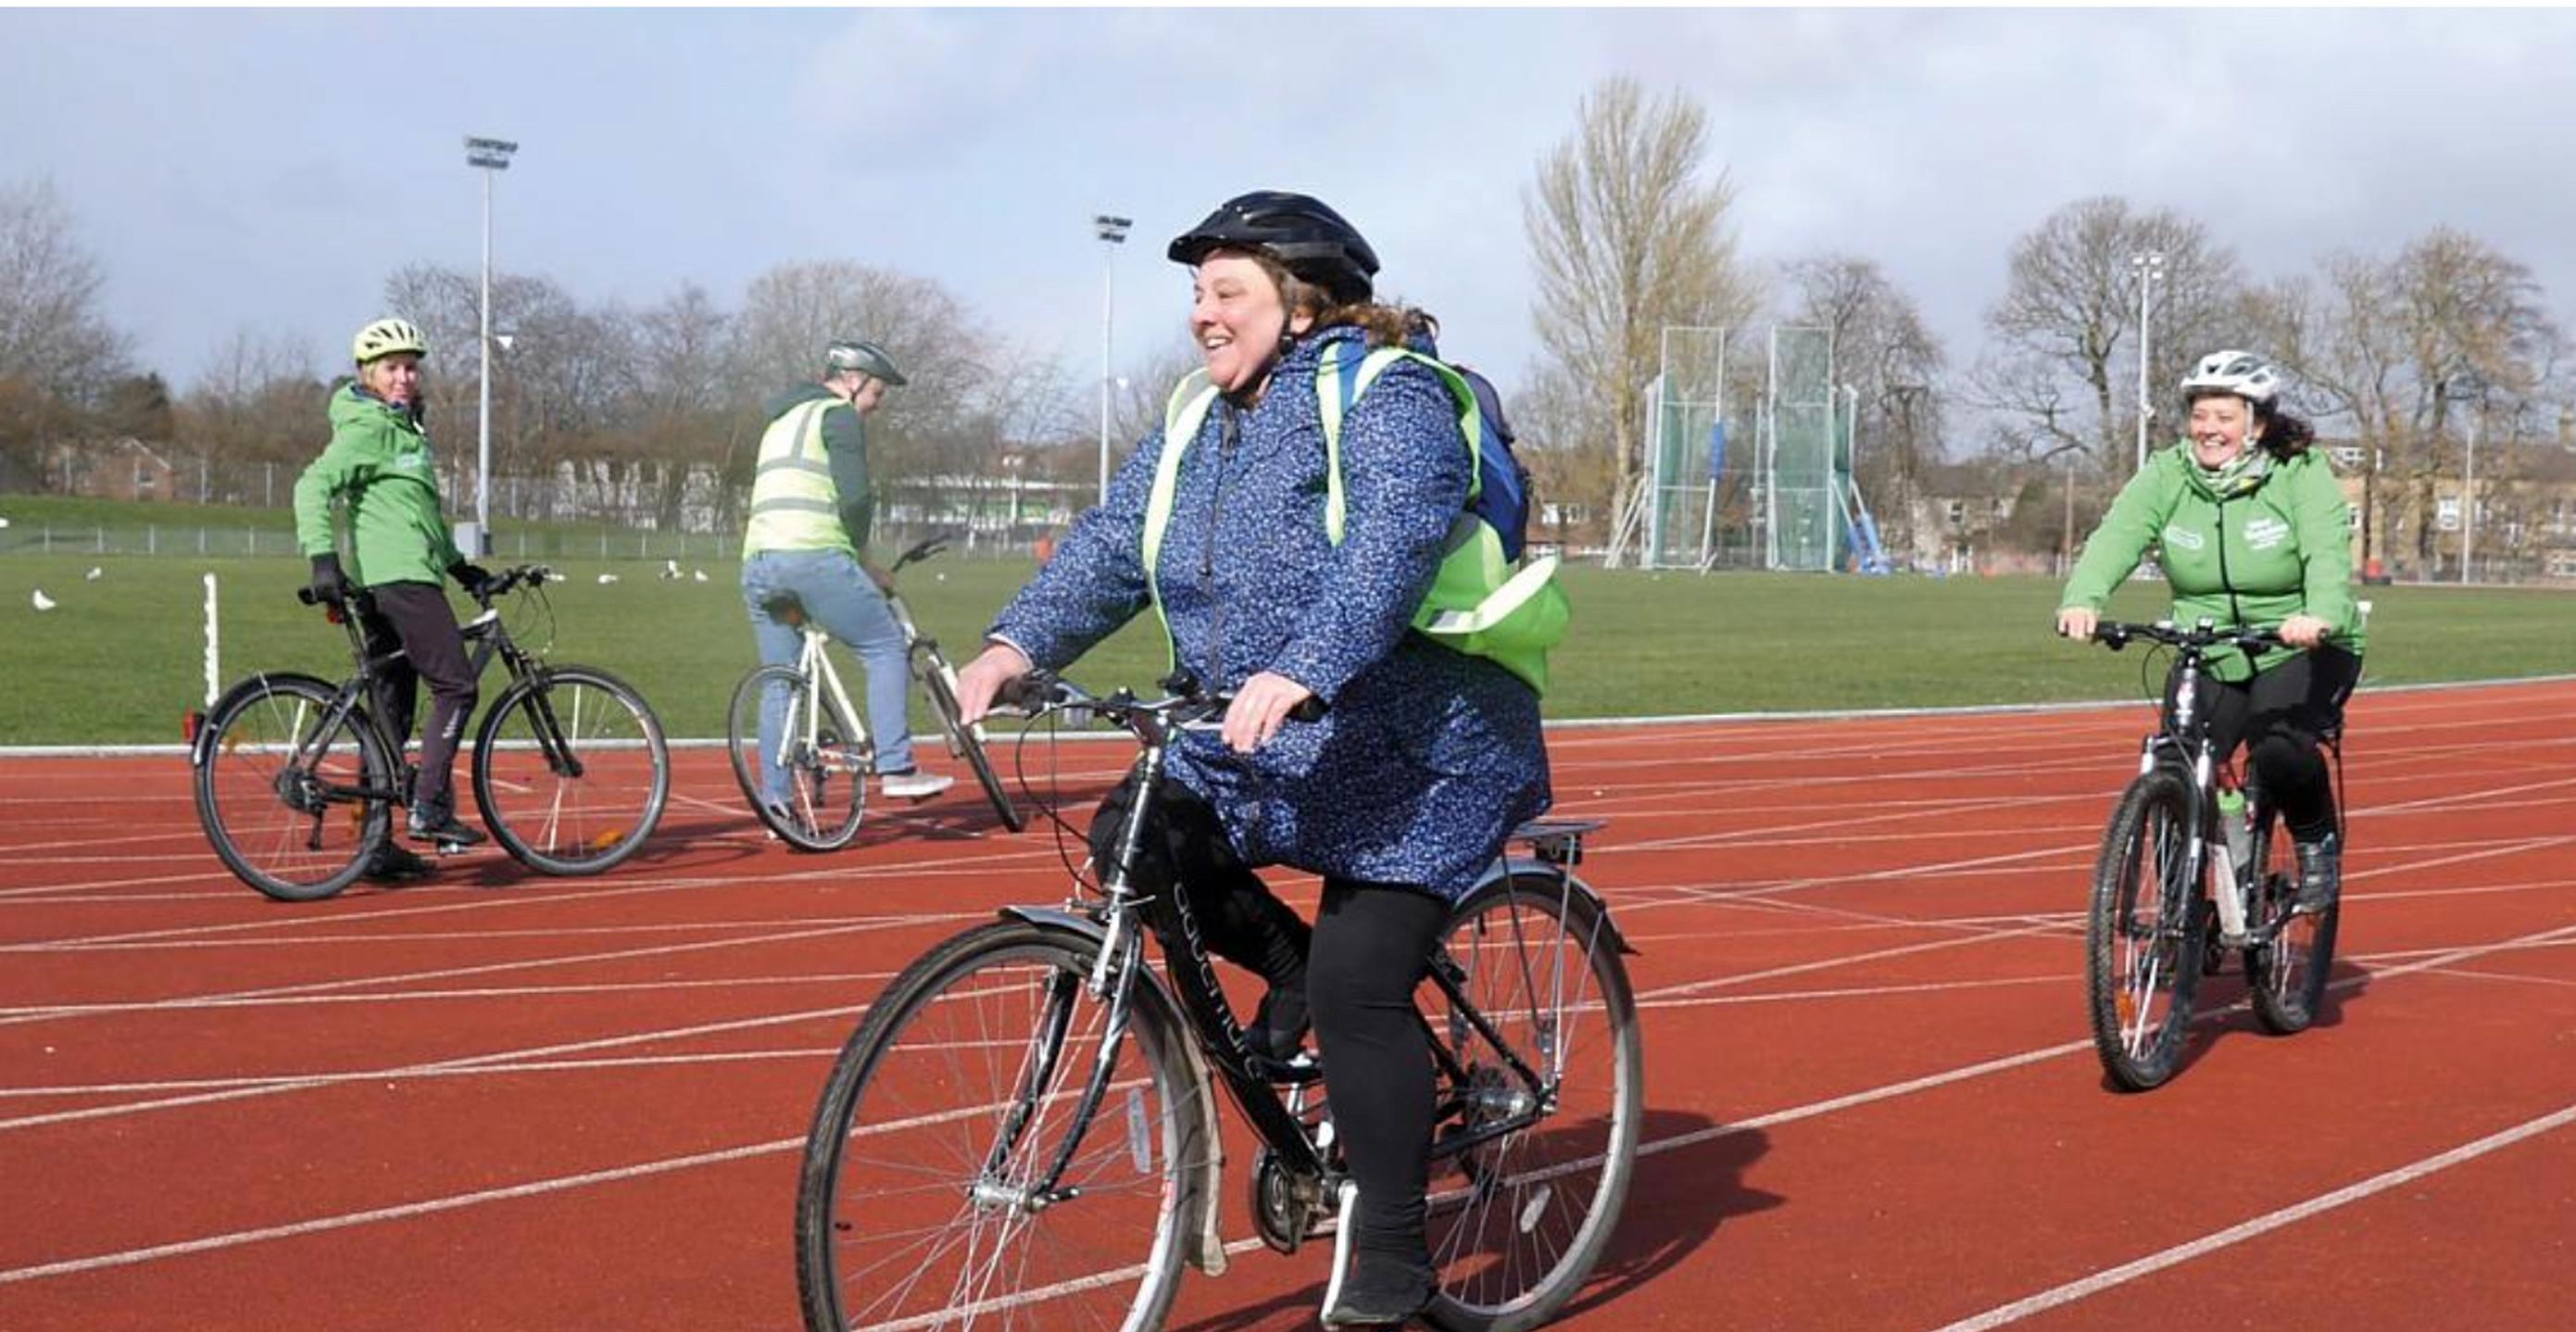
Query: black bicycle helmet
{"x": 1305, "y": 235}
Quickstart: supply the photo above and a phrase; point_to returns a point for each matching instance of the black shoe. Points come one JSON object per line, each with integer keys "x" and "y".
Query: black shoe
{"x": 441, "y": 827}
{"x": 1380, "y": 1291}
{"x": 1277, "y": 1036}
{"x": 393, "y": 864}
{"x": 2320, "y": 874}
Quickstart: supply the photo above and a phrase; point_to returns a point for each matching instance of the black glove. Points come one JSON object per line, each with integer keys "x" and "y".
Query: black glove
{"x": 472, "y": 577}
{"x": 329, "y": 584}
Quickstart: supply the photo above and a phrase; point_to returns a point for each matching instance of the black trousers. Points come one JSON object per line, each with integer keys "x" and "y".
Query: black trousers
{"x": 416, "y": 618}
{"x": 1358, "y": 966}
{"x": 2279, "y": 716}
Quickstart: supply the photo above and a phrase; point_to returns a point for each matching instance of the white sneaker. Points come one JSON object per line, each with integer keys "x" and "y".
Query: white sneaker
{"x": 913, "y": 784}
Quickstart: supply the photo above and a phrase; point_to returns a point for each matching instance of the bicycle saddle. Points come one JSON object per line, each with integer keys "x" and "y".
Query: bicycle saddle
{"x": 786, "y": 608}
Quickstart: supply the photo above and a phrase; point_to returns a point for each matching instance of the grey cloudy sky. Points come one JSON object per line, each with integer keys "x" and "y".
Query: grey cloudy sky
{"x": 267, "y": 169}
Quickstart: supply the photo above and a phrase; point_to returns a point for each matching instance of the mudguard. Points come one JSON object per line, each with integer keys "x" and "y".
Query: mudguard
{"x": 1207, "y": 1246}
{"x": 1505, "y": 867}
{"x": 202, "y": 748}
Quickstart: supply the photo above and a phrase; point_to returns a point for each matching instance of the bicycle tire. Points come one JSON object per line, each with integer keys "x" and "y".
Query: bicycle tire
{"x": 2287, "y": 977}
{"x": 908, "y": 1135}
{"x": 829, "y": 795}
{"x": 2143, "y": 948}
{"x": 939, "y": 680}
{"x": 1491, "y": 1208}
{"x": 248, "y": 799}
{"x": 581, "y": 823}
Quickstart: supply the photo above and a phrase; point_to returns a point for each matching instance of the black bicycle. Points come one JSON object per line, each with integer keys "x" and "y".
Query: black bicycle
{"x": 2193, "y": 865}
{"x": 298, "y": 780}
{"x": 1023, "y": 1131}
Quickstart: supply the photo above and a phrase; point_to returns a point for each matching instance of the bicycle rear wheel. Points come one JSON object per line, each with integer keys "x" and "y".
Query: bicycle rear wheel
{"x": 2145, "y": 932}
{"x": 571, "y": 770}
{"x": 966, "y": 742}
{"x": 278, "y": 794}
{"x": 1517, "y": 1221}
{"x": 827, "y": 781}
{"x": 914, "y": 1206}
{"x": 2287, "y": 976}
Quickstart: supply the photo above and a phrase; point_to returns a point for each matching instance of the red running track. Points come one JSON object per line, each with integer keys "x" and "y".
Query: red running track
{"x": 502, "y": 1101}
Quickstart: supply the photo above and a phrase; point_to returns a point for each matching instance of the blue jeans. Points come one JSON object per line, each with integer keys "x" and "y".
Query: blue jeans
{"x": 842, "y": 600}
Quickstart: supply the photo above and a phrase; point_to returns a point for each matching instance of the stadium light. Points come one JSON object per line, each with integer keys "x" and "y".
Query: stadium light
{"x": 1112, "y": 231}
{"x": 491, "y": 156}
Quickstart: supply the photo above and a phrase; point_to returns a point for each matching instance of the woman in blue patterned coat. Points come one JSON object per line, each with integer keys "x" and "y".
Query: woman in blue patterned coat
{"x": 1403, "y": 793}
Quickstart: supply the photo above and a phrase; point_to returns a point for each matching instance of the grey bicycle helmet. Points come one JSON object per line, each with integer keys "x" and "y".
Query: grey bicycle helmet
{"x": 862, "y": 357}
{"x": 2238, "y": 372}
{"x": 1305, "y": 235}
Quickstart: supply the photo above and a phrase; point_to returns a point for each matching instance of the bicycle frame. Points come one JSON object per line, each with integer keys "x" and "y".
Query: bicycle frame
{"x": 2182, "y": 738}
{"x": 814, "y": 664}
{"x": 1119, "y": 974}
{"x": 489, "y": 639}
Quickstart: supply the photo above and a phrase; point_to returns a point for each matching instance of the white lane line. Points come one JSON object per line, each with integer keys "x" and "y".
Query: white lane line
{"x": 2269, "y": 1221}
{"x": 1811, "y": 1110}
{"x": 129, "y": 1257}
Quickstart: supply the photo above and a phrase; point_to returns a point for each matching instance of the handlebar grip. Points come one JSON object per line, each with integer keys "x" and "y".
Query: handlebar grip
{"x": 1313, "y": 709}
{"x": 1029, "y": 692}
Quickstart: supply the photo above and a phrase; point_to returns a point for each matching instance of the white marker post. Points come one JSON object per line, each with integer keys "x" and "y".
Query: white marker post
{"x": 213, "y": 656}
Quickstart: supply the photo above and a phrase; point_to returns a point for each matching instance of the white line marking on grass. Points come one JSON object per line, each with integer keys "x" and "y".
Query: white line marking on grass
{"x": 2269, "y": 1221}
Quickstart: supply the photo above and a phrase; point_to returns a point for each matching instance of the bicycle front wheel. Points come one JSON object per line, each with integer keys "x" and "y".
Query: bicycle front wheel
{"x": 1517, "y": 1221}
{"x": 2287, "y": 976}
{"x": 571, "y": 770}
{"x": 827, "y": 781}
{"x": 966, "y": 742}
{"x": 920, "y": 1202}
{"x": 2145, "y": 932}
{"x": 282, "y": 795}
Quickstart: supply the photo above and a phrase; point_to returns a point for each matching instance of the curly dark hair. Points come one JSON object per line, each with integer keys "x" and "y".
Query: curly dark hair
{"x": 2284, "y": 434}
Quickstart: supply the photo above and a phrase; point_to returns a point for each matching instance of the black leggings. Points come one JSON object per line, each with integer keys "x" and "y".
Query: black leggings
{"x": 416, "y": 618}
{"x": 2279, "y": 716}
{"x": 1358, "y": 966}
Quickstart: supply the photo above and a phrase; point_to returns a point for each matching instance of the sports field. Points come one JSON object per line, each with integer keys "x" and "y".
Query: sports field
{"x": 121, "y": 655}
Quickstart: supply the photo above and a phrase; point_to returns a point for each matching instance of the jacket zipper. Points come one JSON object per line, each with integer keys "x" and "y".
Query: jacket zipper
{"x": 1227, "y": 431}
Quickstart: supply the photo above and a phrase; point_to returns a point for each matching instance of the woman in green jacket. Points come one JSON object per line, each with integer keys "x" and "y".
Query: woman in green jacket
{"x": 378, "y": 470}
{"x": 2252, "y": 531}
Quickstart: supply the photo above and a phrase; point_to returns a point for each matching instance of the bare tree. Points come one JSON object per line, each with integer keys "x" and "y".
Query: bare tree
{"x": 1627, "y": 241}
{"x": 791, "y": 312}
{"x": 2066, "y": 331}
{"x": 1884, "y": 351}
{"x": 58, "y": 354}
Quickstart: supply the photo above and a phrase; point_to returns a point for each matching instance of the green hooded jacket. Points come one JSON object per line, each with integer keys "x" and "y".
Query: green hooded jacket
{"x": 379, "y": 463}
{"x": 2283, "y": 548}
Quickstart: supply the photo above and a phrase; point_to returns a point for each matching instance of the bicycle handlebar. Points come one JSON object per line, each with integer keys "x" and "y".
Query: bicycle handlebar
{"x": 1040, "y": 691}
{"x": 2115, "y": 635}
{"x": 502, "y": 584}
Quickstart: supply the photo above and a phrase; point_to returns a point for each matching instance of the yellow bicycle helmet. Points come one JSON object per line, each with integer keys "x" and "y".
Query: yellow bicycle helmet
{"x": 387, "y": 336}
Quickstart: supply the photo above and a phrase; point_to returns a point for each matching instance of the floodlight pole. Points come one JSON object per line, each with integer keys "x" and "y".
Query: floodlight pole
{"x": 493, "y": 156}
{"x": 1112, "y": 231}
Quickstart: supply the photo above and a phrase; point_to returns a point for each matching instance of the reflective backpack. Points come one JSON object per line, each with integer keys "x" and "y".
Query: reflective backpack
{"x": 1486, "y": 600}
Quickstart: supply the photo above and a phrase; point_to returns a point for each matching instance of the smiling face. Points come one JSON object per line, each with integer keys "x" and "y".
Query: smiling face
{"x": 2218, "y": 427}
{"x": 1237, "y": 315}
{"x": 394, "y": 377}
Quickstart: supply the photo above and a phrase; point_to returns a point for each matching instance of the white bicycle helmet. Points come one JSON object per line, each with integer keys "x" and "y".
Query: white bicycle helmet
{"x": 2239, "y": 372}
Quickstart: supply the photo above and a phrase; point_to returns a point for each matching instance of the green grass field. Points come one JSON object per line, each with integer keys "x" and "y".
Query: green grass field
{"x": 120, "y": 658}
